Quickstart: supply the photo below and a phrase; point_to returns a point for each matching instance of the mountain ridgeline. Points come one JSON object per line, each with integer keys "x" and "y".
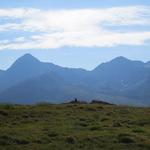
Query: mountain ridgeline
{"x": 120, "y": 81}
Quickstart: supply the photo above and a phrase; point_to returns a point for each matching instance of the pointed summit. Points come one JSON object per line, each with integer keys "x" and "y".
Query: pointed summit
{"x": 28, "y": 57}
{"x": 120, "y": 59}
{"x": 125, "y": 62}
{"x": 26, "y": 60}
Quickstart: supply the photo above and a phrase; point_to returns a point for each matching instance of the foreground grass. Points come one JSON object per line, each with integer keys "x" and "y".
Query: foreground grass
{"x": 74, "y": 127}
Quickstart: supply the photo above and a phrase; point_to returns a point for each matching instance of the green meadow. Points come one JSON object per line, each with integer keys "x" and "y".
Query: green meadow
{"x": 74, "y": 127}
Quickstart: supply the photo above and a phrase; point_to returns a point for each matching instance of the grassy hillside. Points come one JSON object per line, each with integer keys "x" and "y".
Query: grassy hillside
{"x": 74, "y": 127}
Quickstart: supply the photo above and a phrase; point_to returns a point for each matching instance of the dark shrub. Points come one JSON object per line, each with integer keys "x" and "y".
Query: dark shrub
{"x": 52, "y": 134}
{"x": 70, "y": 140}
{"x": 3, "y": 113}
{"x": 125, "y": 138}
{"x": 7, "y": 140}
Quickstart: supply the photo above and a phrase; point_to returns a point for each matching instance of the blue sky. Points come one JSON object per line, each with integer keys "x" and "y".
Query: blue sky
{"x": 55, "y": 4}
{"x": 74, "y": 33}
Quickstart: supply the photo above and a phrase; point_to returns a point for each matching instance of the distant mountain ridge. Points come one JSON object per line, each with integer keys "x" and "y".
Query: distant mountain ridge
{"x": 119, "y": 81}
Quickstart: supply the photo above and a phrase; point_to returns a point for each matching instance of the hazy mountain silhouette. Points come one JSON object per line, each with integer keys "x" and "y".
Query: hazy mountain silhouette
{"x": 1, "y": 73}
{"x": 48, "y": 87}
{"x": 120, "y": 81}
{"x": 119, "y": 74}
{"x": 23, "y": 69}
{"x": 27, "y": 67}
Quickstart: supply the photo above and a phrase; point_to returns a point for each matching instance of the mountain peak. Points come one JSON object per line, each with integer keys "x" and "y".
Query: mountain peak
{"x": 28, "y": 56}
{"x": 24, "y": 61}
{"x": 114, "y": 62}
{"x": 120, "y": 59}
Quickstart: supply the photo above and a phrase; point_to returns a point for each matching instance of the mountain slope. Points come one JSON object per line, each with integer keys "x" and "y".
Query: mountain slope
{"x": 118, "y": 75}
{"x": 142, "y": 91}
{"x": 24, "y": 68}
{"x": 120, "y": 81}
{"x": 49, "y": 87}
{"x": 28, "y": 67}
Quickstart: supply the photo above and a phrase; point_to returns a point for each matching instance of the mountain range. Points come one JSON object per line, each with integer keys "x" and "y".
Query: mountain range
{"x": 119, "y": 81}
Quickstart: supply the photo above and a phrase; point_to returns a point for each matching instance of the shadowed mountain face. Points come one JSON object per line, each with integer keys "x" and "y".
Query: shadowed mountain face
{"x": 1, "y": 72}
{"x": 120, "y": 74}
{"x": 24, "y": 68}
{"x": 28, "y": 67}
{"x": 119, "y": 81}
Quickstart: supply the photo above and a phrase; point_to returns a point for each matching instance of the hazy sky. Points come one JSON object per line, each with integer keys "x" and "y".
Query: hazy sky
{"x": 74, "y": 33}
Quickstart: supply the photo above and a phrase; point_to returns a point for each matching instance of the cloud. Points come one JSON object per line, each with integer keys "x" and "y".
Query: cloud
{"x": 74, "y": 28}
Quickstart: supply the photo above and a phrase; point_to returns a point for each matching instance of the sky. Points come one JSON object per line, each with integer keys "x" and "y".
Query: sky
{"x": 74, "y": 33}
